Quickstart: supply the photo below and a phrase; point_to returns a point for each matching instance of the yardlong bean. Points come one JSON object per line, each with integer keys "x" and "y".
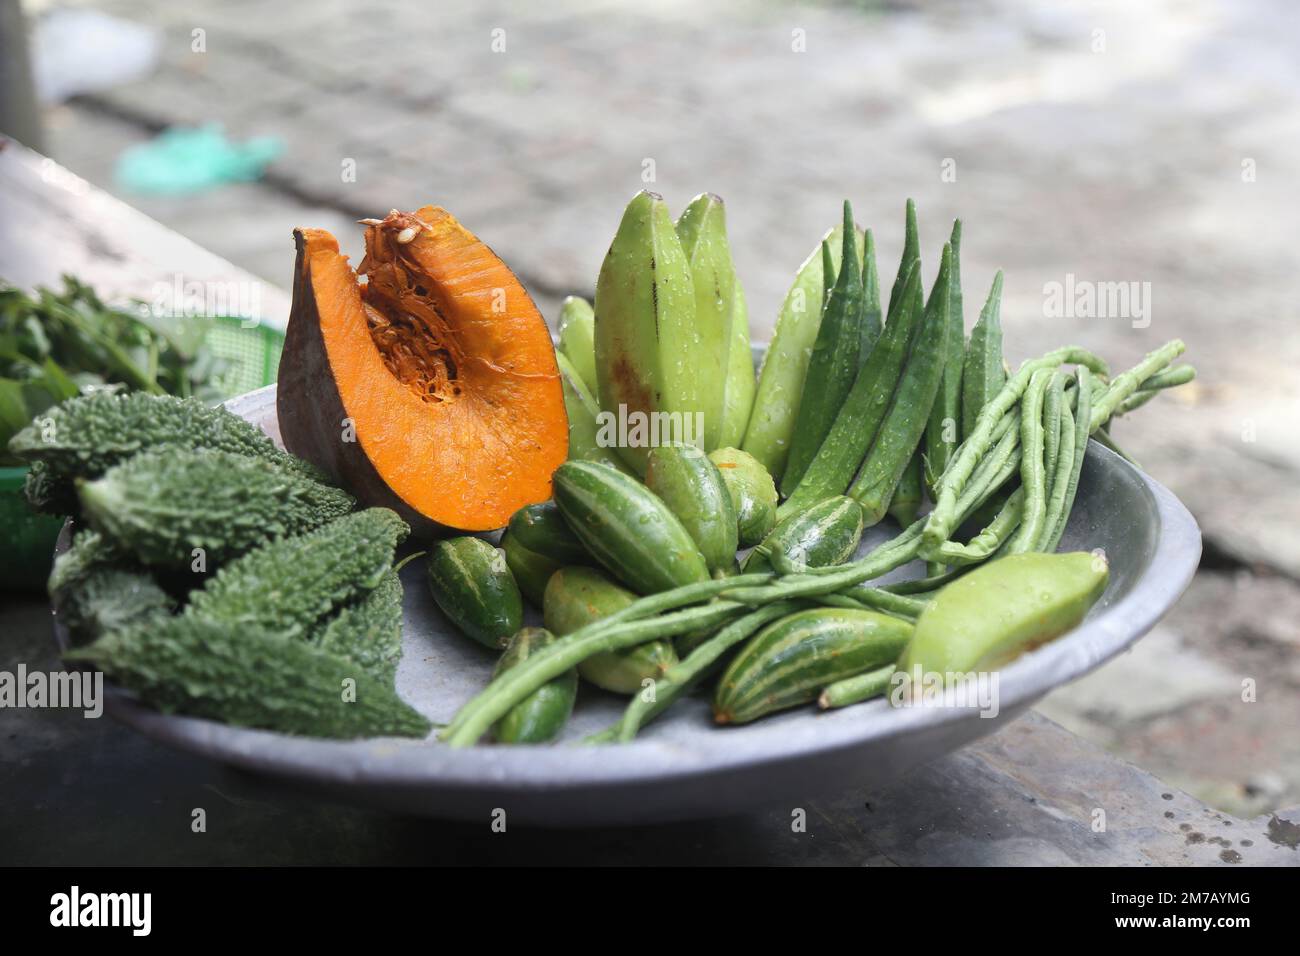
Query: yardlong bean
{"x": 682, "y": 676}
{"x": 1006, "y": 438}
{"x": 865, "y": 597}
{"x": 1053, "y": 408}
{"x": 512, "y": 686}
{"x": 1153, "y": 386}
{"x": 944, "y": 518}
{"x": 1125, "y": 384}
{"x": 1061, "y": 475}
{"x": 1033, "y": 479}
{"x": 991, "y": 538}
{"x": 1084, "y": 389}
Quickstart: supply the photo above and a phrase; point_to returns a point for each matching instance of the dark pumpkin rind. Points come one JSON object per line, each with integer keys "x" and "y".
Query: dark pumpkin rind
{"x": 307, "y": 401}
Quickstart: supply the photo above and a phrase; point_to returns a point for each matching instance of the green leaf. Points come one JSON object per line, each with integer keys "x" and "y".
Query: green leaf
{"x": 13, "y": 412}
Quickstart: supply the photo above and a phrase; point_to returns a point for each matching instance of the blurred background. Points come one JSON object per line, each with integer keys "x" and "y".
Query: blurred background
{"x": 1148, "y": 143}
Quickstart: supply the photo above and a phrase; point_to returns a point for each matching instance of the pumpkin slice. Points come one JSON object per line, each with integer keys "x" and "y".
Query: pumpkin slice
{"x": 430, "y": 387}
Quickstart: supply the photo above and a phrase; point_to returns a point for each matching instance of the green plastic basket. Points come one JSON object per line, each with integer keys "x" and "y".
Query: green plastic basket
{"x": 253, "y": 355}
{"x": 252, "y": 351}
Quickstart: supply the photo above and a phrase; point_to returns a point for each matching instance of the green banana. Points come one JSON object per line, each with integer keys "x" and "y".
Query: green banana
{"x": 702, "y": 229}
{"x": 646, "y": 359}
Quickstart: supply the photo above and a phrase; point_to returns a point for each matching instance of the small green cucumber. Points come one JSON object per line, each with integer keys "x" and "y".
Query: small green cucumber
{"x": 541, "y": 715}
{"x": 789, "y": 662}
{"x": 577, "y": 331}
{"x": 542, "y": 529}
{"x": 470, "y": 581}
{"x": 986, "y": 618}
{"x": 827, "y": 533}
{"x": 753, "y": 493}
{"x": 692, "y": 487}
{"x": 531, "y": 570}
{"x": 834, "y": 362}
{"x": 983, "y": 373}
{"x": 584, "y": 430}
{"x": 627, "y": 528}
{"x": 575, "y": 597}
{"x": 785, "y": 364}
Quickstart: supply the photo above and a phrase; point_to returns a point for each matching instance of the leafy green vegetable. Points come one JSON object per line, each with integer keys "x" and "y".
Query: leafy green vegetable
{"x": 57, "y": 344}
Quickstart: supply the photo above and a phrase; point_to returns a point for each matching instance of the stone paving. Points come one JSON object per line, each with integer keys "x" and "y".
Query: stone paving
{"x": 1099, "y": 142}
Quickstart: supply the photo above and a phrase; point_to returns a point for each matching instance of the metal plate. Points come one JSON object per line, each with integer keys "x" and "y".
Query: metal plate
{"x": 682, "y": 766}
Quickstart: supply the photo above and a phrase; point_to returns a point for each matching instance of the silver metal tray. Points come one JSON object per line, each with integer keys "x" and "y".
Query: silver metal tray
{"x": 682, "y": 766}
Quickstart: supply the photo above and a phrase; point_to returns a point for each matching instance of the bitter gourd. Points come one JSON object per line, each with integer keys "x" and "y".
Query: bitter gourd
{"x": 48, "y": 493}
{"x": 163, "y": 505}
{"x": 287, "y": 586}
{"x": 369, "y": 632}
{"x": 90, "y": 552}
{"x": 111, "y": 598}
{"x": 249, "y": 678}
{"x": 87, "y": 435}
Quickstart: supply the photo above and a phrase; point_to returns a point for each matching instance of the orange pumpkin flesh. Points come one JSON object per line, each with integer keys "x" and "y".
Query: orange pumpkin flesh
{"x": 430, "y": 388}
